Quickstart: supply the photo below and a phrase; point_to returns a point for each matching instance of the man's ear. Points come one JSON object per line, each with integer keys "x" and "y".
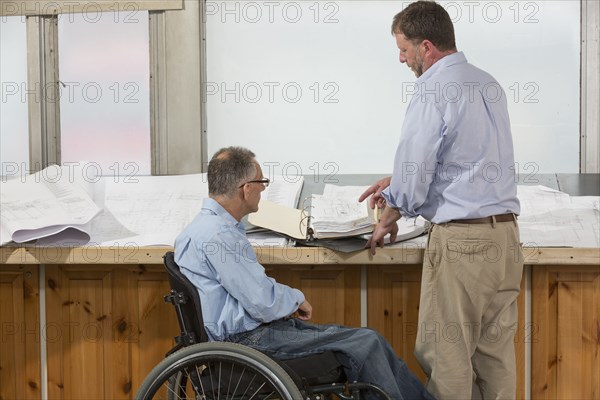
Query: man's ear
{"x": 427, "y": 45}
{"x": 244, "y": 192}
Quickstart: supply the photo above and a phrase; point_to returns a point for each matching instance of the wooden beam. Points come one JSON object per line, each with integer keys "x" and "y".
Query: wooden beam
{"x": 55, "y": 7}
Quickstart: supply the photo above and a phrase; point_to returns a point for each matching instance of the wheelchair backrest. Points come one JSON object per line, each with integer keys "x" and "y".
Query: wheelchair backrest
{"x": 184, "y": 296}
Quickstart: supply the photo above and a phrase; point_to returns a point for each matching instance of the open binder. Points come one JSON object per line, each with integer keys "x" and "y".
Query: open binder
{"x": 288, "y": 221}
{"x": 334, "y": 220}
{"x": 331, "y": 223}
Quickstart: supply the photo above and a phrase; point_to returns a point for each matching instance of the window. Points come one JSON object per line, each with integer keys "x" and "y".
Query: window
{"x": 326, "y": 75}
{"x": 14, "y": 140}
{"x": 104, "y": 104}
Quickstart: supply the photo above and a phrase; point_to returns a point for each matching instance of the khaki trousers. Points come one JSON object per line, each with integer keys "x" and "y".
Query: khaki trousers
{"x": 468, "y": 310}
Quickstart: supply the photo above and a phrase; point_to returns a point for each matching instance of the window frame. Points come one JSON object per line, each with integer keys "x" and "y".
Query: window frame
{"x": 178, "y": 133}
{"x": 589, "y": 160}
{"x": 57, "y": 7}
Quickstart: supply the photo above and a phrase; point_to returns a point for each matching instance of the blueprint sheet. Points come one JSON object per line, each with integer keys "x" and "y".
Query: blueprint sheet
{"x": 146, "y": 210}
{"x": 550, "y": 218}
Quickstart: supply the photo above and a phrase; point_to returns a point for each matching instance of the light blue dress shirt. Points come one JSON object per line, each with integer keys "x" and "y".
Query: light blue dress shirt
{"x": 455, "y": 158}
{"x": 236, "y": 294}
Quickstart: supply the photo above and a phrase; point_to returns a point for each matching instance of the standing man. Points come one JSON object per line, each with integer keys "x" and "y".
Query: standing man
{"x": 241, "y": 304}
{"x": 455, "y": 167}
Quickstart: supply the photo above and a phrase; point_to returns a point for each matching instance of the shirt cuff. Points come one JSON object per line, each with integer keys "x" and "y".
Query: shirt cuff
{"x": 385, "y": 193}
{"x": 299, "y": 297}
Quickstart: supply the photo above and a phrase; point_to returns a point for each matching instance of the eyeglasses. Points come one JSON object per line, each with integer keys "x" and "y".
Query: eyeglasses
{"x": 264, "y": 181}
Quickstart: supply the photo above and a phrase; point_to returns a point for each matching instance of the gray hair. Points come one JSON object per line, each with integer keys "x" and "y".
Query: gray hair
{"x": 228, "y": 168}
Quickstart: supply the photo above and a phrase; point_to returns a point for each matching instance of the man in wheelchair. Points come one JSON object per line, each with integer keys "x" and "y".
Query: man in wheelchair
{"x": 241, "y": 304}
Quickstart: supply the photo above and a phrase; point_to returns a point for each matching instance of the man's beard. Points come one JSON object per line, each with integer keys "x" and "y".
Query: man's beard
{"x": 418, "y": 68}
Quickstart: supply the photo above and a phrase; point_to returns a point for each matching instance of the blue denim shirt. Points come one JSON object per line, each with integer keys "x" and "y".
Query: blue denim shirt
{"x": 455, "y": 158}
{"x": 236, "y": 294}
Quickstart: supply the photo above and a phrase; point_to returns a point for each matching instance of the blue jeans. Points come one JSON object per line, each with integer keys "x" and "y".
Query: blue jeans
{"x": 365, "y": 355}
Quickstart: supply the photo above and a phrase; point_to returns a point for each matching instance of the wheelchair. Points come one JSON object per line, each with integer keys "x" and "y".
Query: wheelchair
{"x": 198, "y": 369}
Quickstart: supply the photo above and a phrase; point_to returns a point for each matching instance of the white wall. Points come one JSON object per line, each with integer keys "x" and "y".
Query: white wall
{"x": 316, "y": 87}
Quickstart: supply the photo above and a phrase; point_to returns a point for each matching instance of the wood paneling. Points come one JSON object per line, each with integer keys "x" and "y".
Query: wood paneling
{"x": 19, "y": 333}
{"x": 566, "y": 352}
{"x": 393, "y": 308}
{"x": 111, "y": 326}
{"x": 333, "y": 291}
{"x": 107, "y": 325}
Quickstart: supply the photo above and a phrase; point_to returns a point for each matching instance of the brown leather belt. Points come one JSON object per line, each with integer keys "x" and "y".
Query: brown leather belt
{"x": 487, "y": 220}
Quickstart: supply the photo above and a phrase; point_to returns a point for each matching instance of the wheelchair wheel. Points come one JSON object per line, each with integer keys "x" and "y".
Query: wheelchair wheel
{"x": 216, "y": 371}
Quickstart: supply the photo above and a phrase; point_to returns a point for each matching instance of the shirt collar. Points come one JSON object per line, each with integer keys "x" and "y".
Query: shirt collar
{"x": 445, "y": 62}
{"x": 214, "y": 207}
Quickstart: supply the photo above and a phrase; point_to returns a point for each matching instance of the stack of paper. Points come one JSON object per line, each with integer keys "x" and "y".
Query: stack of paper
{"x": 337, "y": 213}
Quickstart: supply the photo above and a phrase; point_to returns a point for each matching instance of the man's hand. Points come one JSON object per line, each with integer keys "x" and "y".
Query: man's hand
{"x": 305, "y": 311}
{"x": 387, "y": 224}
{"x": 375, "y": 190}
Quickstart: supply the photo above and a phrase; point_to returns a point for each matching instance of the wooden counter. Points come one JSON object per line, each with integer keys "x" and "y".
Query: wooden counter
{"x": 94, "y": 318}
{"x": 407, "y": 254}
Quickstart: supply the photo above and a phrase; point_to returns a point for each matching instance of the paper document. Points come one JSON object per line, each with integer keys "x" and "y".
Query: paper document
{"x": 284, "y": 190}
{"x": 339, "y": 217}
{"x": 337, "y": 213}
{"x": 269, "y": 239}
{"x": 550, "y": 218}
{"x": 45, "y": 204}
{"x": 147, "y": 210}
